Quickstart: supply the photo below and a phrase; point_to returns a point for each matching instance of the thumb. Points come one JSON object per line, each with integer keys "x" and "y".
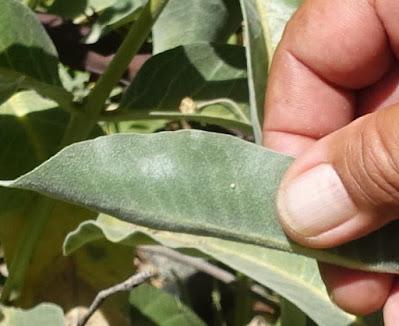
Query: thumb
{"x": 346, "y": 185}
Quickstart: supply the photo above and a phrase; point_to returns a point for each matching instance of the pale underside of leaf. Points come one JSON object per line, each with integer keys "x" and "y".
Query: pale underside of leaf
{"x": 44, "y": 314}
{"x": 257, "y": 62}
{"x": 264, "y": 21}
{"x": 193, "y": 182}
{"x": 270, "y": 268}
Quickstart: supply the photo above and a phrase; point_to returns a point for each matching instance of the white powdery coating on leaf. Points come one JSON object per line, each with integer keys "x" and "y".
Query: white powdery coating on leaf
{"x": 159, "y": 167}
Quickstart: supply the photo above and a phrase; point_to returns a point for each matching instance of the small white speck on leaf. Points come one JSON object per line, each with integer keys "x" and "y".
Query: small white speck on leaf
{"x": 233, "y": 186}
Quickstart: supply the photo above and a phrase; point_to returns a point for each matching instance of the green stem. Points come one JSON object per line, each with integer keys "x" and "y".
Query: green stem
{"x": 122, "y": 115}
{"x": 41, "y": 210}
{"x": 229, "y": 104}
{"x": 80, "y": 127}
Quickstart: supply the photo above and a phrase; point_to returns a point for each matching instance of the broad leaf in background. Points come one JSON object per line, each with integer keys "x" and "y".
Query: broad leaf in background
{"x": 28, "y": 58}
{"x": 8, "y": 88}
{"x": 264, "y": 21}
{"x": 292, "y": 315}
{"x": 76, "y": 8}
{"x": 276, "y": 15}
{"x": 270, "y": 268}
{"x": 138, "y": 126}
{"x": 200, "y": 72}
{"x": 194, "y": 182}
{"x": 44, "y": 314}
{"x": 30, "y": 131}
{"x": 121, "y": 13}
{"x": 152, "y": 306}
{"x": 193, "y": 21}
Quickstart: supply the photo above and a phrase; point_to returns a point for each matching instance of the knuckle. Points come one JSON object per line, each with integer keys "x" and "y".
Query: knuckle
{"x": 375, "y": 166}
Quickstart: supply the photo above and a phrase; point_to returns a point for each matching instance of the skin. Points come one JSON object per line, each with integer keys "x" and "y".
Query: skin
{"x": 337, "y": 62}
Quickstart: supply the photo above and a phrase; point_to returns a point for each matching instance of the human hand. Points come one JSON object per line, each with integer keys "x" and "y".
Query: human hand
{"x": 335, "y": 68}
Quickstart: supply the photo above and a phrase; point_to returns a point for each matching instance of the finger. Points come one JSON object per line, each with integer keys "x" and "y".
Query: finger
{"x": 346, "y": 185}
{"x": 318, "y": 65}
{"x": 382, "y": 94}
{"x": 292, "y": 94}
{"x": 391, "y": 308}
{"x": 351, "y": 289}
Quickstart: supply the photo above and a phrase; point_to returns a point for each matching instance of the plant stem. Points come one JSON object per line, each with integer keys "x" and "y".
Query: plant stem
{"x": 41, "y": 210}
{"x": 127, "y": 285}
{"x": 80, "y": 127}
{"x": 229, "y": 104}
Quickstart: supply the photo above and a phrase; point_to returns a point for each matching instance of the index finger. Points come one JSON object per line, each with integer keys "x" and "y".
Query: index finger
{"x": 329, "y": 50}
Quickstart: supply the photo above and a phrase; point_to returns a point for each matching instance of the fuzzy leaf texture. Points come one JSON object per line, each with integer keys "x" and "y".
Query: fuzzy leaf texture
{"x": 193, "y": 182}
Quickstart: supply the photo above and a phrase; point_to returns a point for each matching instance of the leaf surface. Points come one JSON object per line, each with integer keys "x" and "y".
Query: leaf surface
{"x": 75, "y": 8}
{"x": 28, "y": 57}
{"x": 44, "y": 314}
{"x": 295, "y": 277}
{"x": 193, "y": 182}
{"x": 119, "y": 14}
{"x": 200, "y": 72}
{"x": 31, "y": 128}
{"x": 160, "y": 308}
{"x": 193, "y": 21}
{"x": 264, "y": 21}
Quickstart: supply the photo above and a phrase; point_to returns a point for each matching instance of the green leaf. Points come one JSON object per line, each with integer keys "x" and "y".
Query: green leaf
{"x": 139, "y": 126}
{"x": 194, "y": 182}
{"x": 121, "y": 13}
{"x": 291, "y": 315}
{"x": 45, "y": 314}
{"x": 276, "y": 14}
{"x": 193, "y": 21}
{"x": 75, "y": 8}
{"x": 8, "y": 88}
{"x": 155, "y": 307}
{"x": 294, "y": 277}
{"x": 28, "y": 58}
{"x": 26, "y": 102}
{"x": 199, "y": 72}
{"x": 31, "y": 129}
{"x": 264, "y": 21}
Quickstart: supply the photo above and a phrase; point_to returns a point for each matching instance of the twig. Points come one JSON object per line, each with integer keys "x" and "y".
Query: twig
{"x": 203, "y": 266}
{"x": 198, "y": 263}
{"x": 127, "y": 285}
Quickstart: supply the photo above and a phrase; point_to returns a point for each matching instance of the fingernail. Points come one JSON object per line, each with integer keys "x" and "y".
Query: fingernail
{"x": 315, "y": 202}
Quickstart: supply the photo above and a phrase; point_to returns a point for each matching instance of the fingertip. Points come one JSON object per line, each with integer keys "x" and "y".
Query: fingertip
{"x": 357, "y": 292}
